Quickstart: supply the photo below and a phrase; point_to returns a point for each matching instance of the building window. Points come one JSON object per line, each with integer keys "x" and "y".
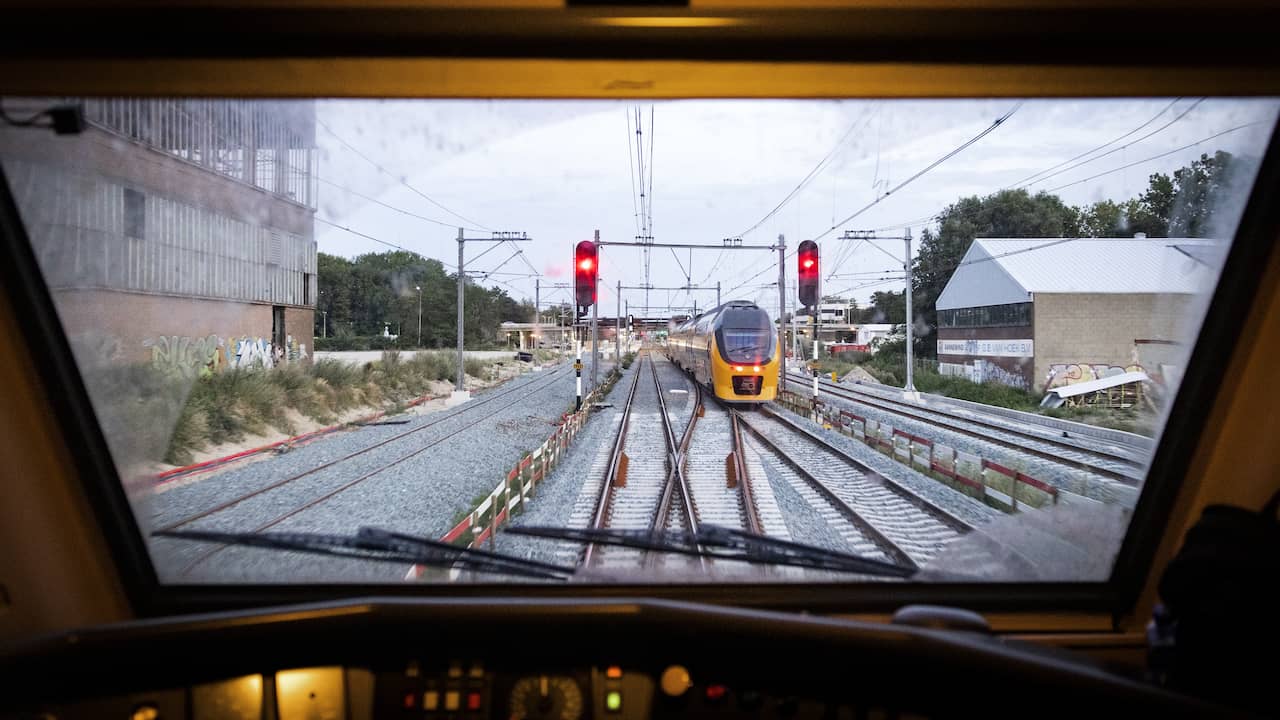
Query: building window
{"x": 135, "y": 214}
{"x": 1013, "y": 315}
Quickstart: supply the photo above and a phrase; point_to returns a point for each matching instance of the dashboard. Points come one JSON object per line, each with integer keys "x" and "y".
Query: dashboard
{"x": 550, "y": 659}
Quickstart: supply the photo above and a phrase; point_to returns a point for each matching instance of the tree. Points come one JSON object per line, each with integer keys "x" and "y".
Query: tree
{"x": 361, "y": 295}
{"x": 888, "y": 306}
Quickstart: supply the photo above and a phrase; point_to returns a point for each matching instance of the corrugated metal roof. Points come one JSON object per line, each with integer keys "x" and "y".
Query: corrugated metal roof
{"x": 997, "y": 271}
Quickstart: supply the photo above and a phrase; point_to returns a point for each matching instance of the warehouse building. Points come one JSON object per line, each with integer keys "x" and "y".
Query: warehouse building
{"x": 175, "y": 232}
{"x": 1042, "y": 313}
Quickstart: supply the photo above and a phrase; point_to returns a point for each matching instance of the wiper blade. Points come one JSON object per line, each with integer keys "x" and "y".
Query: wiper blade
{"x": 727, "y": 544}
{"x": 376, "y": 544}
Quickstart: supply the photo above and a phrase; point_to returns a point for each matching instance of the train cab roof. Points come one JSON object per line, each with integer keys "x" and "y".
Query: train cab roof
{"x": 236, "y": 166}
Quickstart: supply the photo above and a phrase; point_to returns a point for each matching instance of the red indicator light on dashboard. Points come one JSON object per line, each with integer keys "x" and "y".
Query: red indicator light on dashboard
{"x": 613, "y": 671}
{"x": 410, "y": 699}
{"x": 716, "y": 693}
{"x": 473, "y": 701}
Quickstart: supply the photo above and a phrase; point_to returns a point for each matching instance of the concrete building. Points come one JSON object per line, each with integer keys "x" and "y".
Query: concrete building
{"x": 176, "y": 232}
{"x": 1041, "y": 313}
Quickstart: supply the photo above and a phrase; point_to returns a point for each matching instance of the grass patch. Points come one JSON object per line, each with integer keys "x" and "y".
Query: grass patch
{"x": 149, "y": 415}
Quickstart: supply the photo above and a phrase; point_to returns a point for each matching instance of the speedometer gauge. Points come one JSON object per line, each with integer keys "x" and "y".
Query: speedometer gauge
{"x": 546, "y": 697}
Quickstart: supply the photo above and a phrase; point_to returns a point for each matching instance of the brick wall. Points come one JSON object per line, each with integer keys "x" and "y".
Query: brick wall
{"x": 1084, "y": 337}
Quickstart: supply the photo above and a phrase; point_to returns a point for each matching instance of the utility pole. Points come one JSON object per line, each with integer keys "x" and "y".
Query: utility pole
{"x": 595, "y": 329}
{"x": 717, "y": 293}
{"x": 617, "y": 329}
{"x": 324, "y": 323}
{"x": 459, "y": 393}
{"x": 910, "y": 389}
{"x": 537, "y": 311}
{"x": 782, "y": 311}
{"x": 419, "y": 289}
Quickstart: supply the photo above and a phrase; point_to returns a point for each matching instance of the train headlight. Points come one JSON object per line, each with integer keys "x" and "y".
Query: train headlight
{"x": 756, "y": 368}
{"x": 737, "y": 368}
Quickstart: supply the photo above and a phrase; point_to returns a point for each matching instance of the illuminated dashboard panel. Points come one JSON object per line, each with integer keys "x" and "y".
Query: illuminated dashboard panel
{"x": 457, "y": 690}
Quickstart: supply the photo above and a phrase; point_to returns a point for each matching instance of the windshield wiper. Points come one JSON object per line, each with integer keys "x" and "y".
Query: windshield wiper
{"x": 370, "y": 543}
{"x": 725, "y": 543}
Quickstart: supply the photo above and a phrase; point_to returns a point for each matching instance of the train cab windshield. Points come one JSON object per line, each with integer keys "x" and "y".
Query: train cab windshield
{"x": 345, "y": 341}
{"x": 746, "y": 336}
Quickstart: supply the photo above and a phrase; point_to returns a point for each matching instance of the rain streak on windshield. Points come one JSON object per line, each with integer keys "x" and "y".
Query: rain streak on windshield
{"x": 569, "y": 342}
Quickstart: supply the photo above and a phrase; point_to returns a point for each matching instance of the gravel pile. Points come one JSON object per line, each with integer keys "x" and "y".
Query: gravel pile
{"x": 1062, "y": 475}
{"x": 423, "y": 494}
{"x": 566, "y": 497}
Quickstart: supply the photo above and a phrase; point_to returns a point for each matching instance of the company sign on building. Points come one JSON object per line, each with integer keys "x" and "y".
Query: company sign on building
{"x": 987, "y": 348}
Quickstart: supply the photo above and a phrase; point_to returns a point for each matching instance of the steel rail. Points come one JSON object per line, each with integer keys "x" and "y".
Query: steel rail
{"x": 676, "y": 482}
{"x": 924, "y": 415}
{"x": 750, "y": 513}
{"x": 227, "y": 504}
{"x": 203, "y": 557}
{"x": 890, "y": 549}
{"x": 940, "y": 514}
{"x": 600, "y": 517}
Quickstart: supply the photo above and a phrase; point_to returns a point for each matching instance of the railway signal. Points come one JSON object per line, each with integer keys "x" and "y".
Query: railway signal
{"x": 807, "y": 260}
{"x": 585, "y": 269}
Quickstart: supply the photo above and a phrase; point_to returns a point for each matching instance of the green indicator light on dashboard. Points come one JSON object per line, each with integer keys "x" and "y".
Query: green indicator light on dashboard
{"x": 613, "y": 700}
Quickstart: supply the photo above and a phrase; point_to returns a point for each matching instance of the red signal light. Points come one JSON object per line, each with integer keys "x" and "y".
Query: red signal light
{"x": 807, "y": 256}
{"x": 584, "y": 280}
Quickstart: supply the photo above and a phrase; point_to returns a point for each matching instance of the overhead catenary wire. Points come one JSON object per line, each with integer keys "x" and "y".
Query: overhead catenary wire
{"x": 804, "y": 182}
{"x": 938, "y": 214}
{"x": 1188, "y": 146}
{"x": 1112, "y": 151}
{"x": 1113, "y": 141}
{"x": 399, "y": 179}
{"x": 390, "y": 244}
{"x": 956, "y": 151}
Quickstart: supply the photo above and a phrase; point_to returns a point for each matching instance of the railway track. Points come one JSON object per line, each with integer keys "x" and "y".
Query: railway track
{"x": 322, "y": 474}
{"x": 643, "y": 488}
{"x": 875, "y": 516}
{"x": 1114, "y": 462}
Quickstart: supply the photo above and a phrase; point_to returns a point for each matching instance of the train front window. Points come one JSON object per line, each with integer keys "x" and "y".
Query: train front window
{"x": 746, "y": 336}
{"x": 262, "y": 300}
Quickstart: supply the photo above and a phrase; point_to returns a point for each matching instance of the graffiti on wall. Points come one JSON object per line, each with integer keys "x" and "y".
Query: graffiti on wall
{"x": 980, "y": 371}
{"x": 213, "y": 353}
{"x": 1070, "y": 373}
{"x": 990, "y": 372}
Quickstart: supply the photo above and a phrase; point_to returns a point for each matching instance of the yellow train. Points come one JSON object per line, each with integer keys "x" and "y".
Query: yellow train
{"x": 732, "y": 349}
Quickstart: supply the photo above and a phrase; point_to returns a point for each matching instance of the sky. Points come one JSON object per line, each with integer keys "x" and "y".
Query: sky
{"x": 410, "y": 173}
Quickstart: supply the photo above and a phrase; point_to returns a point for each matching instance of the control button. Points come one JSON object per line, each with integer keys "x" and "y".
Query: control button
{"x": 146, "y": 711}
{"x": 613, "y": 701}
{"x": 412, "y": 669}
{"x": 452, "y": 699}
{"x": 410, "y": 700}
{"x": 675, "y": 681}
{"x": 716, "y": 693}
{"x": 613, "y": 672}
{"x": 473, "y": 701}
{"x": 750, "y": 700}
{"x": 477, "y": 670}
{"x": 431, "y": 700}
{"x": 455, "y": 669}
